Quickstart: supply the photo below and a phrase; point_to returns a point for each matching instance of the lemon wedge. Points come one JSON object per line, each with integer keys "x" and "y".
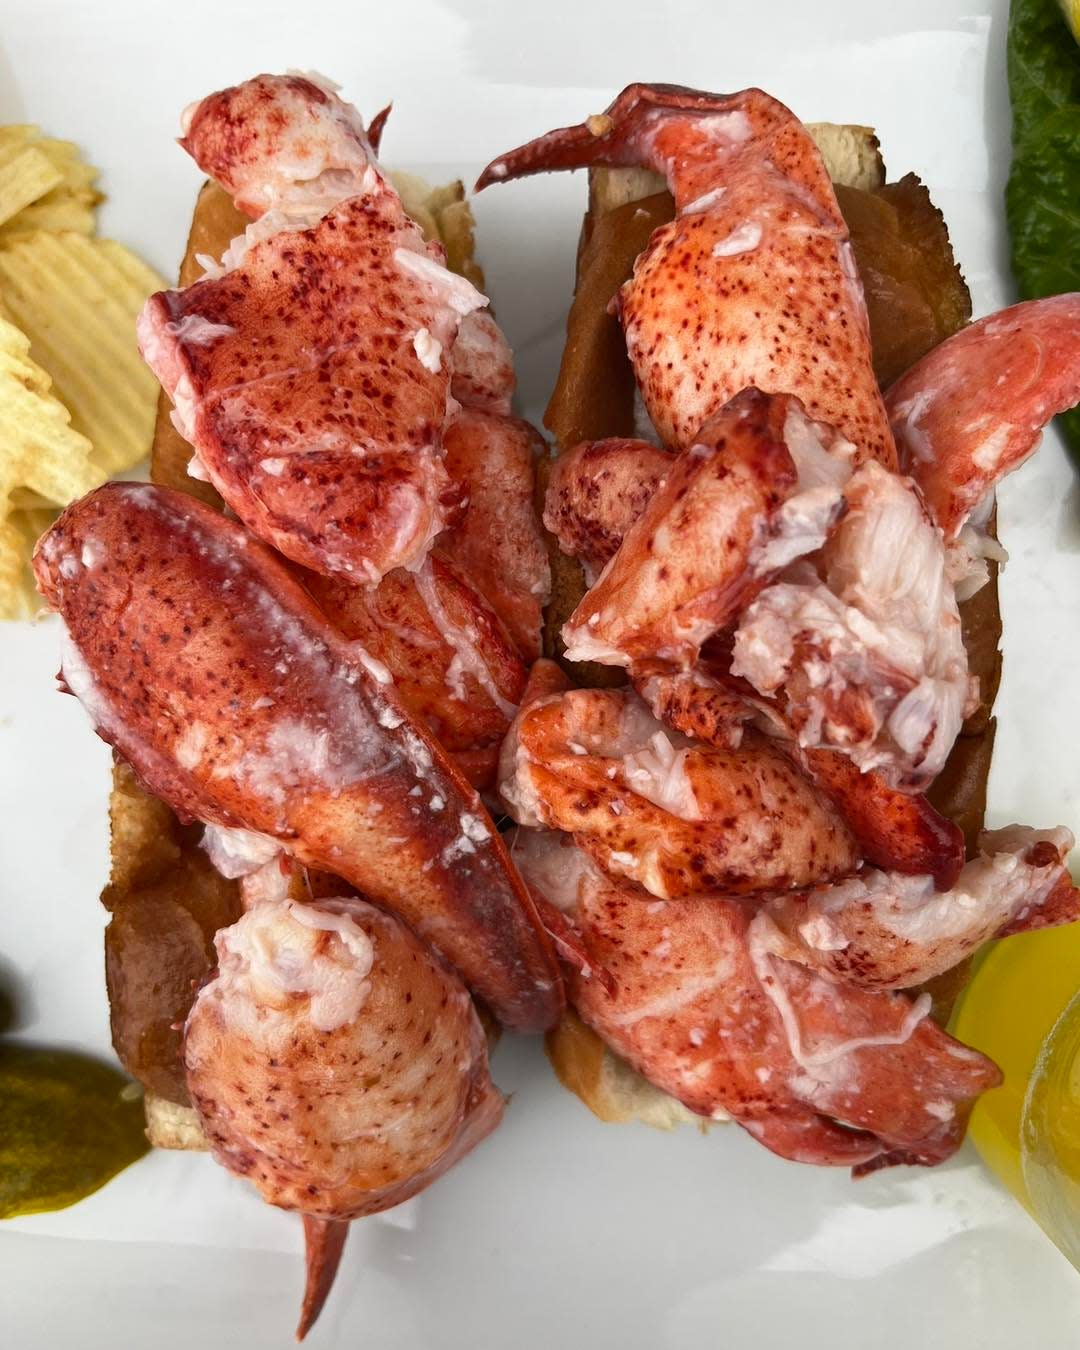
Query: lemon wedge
{"x": 1016, "y": 995}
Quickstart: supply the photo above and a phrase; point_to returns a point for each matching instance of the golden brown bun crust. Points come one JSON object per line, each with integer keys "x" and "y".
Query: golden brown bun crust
{"x": 443, "y": 214}
{"x": 607, "y": 1084}
{"x": 583, "y": 407}
{"x": 214, "y": 223}
{"x": 165, "y": 899}
{"x": 166, "y": 903}
{"x": 916, "y": 297}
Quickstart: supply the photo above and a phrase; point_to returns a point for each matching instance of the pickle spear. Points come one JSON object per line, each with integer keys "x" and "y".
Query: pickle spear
{"x": 67, "y": 1124}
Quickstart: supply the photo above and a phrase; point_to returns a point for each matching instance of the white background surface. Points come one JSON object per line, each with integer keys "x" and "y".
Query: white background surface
{"x": 560, "y": 1231}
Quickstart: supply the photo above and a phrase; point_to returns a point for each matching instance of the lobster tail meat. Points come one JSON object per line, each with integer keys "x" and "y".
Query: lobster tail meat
{"x": 209, "y": 668}
{"x": 708, "y": 1008}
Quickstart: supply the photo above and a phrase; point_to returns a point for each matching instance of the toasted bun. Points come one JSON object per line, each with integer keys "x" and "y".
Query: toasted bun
{"x": 158, "y": 871}
{"x": 912, "y": 285}
{"x": 852, "y": 154}
{"x": 443, "y": 214}
{"x": 166, "y": 903}
{"x": 852, "y": 157}
{"x": 607, "y": 1085}
{"x": 171, "y": 1126}
{"x": 214, "y": 222}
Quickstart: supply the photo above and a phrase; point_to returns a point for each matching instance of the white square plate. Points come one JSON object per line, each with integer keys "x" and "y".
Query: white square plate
{"x": 559, "y": 1231}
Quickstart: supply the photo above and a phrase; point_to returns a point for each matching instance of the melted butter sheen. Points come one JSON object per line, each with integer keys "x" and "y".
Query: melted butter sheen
{"x": 67, "y": 1124}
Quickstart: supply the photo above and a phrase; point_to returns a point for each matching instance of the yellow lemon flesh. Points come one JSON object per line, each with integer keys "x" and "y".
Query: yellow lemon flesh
{"x": 1017, "y": 993}
{"x": 1050, "y": 1135}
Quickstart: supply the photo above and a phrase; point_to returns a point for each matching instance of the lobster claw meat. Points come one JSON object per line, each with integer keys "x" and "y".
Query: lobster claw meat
{"x": 324, "y": 1243}
{"x": 753, "y": 283}
{"x": 211, "y": 670}
{"x": 973, "y": 409}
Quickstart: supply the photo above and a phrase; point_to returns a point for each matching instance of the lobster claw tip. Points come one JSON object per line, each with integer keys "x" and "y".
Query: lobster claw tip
{"x": 598, "y": 140}
{"x": 613, "y": 137}
{"x": 377, "y": 125}
{"x": 324, "y": 1241}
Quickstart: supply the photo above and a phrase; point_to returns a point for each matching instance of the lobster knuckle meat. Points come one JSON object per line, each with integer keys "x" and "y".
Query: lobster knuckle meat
{"x": 654, "y": 807}
{"x": 596, "y": 492}
{"x": 815, "y": 540}
{"x": 302, "y": 992}
{"x": 762, "y": 487}
{"x": 212, "y": 671}
{"x": 281, "y": 372}
{"x": 307, "y": 369}
{"x": 695, "y": 703}
{"x": 484, "y": 378}
{"x": 273, "y": 136}
{"x": 864, "y": 650}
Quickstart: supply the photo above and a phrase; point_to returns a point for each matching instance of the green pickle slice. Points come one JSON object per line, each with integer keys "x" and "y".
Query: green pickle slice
{"x": 67, "y": 1124}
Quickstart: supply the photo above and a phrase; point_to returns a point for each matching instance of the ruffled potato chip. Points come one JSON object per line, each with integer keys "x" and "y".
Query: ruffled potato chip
{"x": 24, "y": 177}
{"x": 61, "y": 209}
{"x": 65, "y": 202}
{"x": 74, "y": 171}
{"x": 44, "y": 464}
{"x": 77, "y": 300}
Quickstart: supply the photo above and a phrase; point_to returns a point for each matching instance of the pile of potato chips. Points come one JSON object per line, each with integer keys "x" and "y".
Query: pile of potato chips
{"x": 76, "y": 401}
